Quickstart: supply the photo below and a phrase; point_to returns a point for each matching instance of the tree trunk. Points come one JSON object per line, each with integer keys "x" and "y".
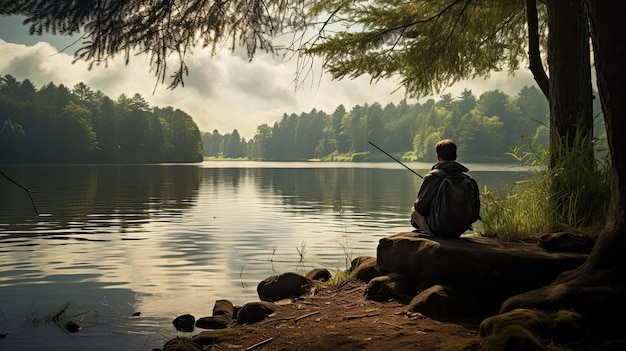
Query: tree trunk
{"x": 608, "y": 28}
{"x": 571, "y": 108}
{"x": 571, "y": 111}
{"x": 597, "y": 288}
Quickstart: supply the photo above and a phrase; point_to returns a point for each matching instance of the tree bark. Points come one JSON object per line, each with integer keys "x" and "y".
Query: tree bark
{"x": 607, "y": 33}
{"x": 597, "y": 288}
{"x": 571, "y": 108}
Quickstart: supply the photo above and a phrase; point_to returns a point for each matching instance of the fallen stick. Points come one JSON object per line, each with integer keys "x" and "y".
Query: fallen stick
{"x": 362, "y": 315}
{"x": 258, "y": 344}
{"x": 393, "y": 325}
{"x": 277, "y": 320}
{"x": 32, "y": 201}
{"x": 306, "y": 315}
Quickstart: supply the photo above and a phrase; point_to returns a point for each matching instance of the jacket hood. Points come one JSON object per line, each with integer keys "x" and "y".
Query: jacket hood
{"x": 450, "y": 166}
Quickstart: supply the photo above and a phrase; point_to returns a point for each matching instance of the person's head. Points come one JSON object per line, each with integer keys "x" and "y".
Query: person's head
{"x": 446, "y": 150}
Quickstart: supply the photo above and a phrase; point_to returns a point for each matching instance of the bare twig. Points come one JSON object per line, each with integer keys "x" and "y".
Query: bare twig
{"x": 277, "y": 320}
{"x": 393, "y": 325}
{"x": 25, "y": 189}
{"x": 258, "y": 344}
{"x": 306, "y": 315}
{"x": 362, "y": 315}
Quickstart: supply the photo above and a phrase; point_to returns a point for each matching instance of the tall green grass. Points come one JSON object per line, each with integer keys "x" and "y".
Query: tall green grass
{"x": 570, "y": 195}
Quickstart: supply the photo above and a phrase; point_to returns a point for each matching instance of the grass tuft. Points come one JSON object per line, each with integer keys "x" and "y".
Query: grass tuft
{"x": 572, "y": 194}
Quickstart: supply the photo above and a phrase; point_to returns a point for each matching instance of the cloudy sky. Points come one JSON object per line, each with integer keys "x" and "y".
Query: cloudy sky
{"x": 225, "y": 92}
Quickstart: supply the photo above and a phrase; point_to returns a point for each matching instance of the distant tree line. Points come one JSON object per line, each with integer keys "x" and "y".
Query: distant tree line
{"x": 485, "y": 129}
{"x": 55, "y": 124}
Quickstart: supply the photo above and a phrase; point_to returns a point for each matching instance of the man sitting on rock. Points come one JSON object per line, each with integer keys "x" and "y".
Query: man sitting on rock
{"x": 448, "y": 200}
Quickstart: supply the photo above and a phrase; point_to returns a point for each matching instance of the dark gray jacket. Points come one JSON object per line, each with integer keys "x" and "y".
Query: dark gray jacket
{"x": 431, "y": 182}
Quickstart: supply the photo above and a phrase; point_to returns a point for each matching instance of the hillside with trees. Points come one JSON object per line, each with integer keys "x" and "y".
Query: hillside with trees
{"x": 54, "y": 124}
{"x": 486, "y": 129}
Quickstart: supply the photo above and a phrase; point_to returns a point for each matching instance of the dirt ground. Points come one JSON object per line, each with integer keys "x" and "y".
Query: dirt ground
{"x": 342, "y": 319}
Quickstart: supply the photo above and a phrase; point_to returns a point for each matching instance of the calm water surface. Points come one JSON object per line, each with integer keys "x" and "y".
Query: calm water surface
{"x": 164, "y": 240}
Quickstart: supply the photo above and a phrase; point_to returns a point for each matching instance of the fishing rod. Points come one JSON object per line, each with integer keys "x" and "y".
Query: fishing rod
{"x": 405, "y": 166}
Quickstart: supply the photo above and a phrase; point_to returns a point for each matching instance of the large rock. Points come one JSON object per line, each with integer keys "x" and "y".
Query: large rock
{"x": 387, "y": 287}
{"x": 364, "y": 268}
{"x": 256, "y": 311}
{"x": 213, "y": 322}
{"x": 442, "y": 302}
{"x": 283, "y": 286}
{"x": 223, "y": 308}
{"x": 212, "y": 337}
{"x": 484, "y": 269}
{"x": 184, "y": 322}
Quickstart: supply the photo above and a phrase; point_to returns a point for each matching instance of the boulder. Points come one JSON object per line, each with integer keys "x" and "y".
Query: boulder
{"x": 223, "y": 308}
{"x": 184, "y": 322}
{"x": 364, "y": 268}
{"x": 319, "y": 274}
{"x": 388, "y": 287}
{"x": 213, "y": 322}
{"x": 212, "y": 337}
{"x": 442, "y": 302}
{"x": 485, "y": 270}
{"x": 283, "y": 286}
{"x": 253, "y": 312}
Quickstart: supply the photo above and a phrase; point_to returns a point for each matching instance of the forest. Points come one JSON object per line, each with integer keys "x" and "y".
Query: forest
{"x": 486, "y": 129}
{"x": 54, "y": 124}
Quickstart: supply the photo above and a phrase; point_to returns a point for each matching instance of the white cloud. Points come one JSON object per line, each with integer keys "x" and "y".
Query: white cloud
{"x": 224, "y": 92}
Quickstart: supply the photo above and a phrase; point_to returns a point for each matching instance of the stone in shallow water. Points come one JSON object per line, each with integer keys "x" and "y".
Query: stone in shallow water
{"x": 72, "y": 326}
{"x": 223, "y": 308}
{"x": 184, "y": 323}
{"x": 214, "y": 322}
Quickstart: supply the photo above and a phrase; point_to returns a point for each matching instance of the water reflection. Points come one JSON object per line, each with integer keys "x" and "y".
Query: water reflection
{"x": 172, "y": 239}
{"x": 86, "y": 199}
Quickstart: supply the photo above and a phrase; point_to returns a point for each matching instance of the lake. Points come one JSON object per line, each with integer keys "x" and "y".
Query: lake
{"x": 169, "y": 239}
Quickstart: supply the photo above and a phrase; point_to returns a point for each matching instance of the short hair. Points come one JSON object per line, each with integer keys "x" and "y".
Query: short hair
{"x": 446, "y": 149}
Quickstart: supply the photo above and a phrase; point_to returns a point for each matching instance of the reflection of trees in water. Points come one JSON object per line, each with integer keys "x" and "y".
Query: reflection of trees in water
{"x": 357, "y": 189}
{"x": 99, "y": 195}
{"x": 363, "y": 190}
{"x": 218, "y": 177}
{"x": 375, "y": 192}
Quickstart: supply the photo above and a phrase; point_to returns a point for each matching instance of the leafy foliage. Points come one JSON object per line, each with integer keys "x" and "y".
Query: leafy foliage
{"x": 55, "y": 124}
{"x": 485, "y": 128}
{"x": 428, "y": 44}
{"x": 158, "y": 28}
